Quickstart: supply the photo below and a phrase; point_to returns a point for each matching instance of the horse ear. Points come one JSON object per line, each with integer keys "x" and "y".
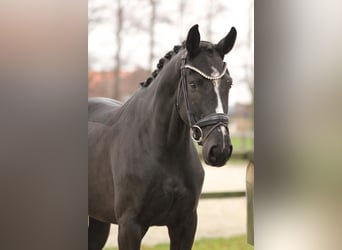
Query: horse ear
{"x": 227, "y": 43}
{"x": 193, "y": 40}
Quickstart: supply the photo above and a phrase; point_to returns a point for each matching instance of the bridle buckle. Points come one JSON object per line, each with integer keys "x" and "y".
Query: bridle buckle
{"x": 197, "y": 133}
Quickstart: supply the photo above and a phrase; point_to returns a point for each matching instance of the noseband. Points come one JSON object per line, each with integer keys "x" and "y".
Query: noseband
{"x": 215, "y": 120}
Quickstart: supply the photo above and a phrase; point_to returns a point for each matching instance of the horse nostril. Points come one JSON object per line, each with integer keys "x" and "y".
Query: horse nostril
{"x": 213, "y": 153}
{"x": 217, "y": 156}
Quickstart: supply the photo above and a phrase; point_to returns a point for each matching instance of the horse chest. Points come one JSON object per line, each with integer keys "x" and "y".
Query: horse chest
{"x": 169, "y": 200}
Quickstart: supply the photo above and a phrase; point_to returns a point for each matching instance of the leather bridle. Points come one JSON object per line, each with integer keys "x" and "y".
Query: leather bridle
{"x": 215, "y": 120}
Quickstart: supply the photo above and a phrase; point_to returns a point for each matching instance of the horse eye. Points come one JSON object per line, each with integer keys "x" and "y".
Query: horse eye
{"x": 193, "y": 85}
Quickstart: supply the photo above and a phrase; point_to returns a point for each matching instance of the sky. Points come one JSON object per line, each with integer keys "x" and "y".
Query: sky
{"x": 171, "y": 30}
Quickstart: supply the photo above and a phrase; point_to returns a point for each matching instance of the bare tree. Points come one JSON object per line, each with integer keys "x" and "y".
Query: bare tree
{"x": 210, "y": 16}
{"x": 95, "y": 18}
{"x": 153, "y": 4}
{"x": 95, "y": 14}
{"x": 182, "y": 7}
{"x": 214, "y": 9}
{"x": 118, "y": 39}
{"x": 136, "y": 21}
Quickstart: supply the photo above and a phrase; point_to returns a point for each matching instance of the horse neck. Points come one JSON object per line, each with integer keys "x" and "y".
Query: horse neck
{"x": 168, "y": 127}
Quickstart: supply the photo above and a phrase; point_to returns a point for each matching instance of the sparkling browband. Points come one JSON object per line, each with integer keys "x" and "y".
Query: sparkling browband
{"x": 206, "y": 76}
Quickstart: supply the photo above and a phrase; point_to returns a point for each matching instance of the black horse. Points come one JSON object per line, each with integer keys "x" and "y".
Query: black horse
{"x": 143, "y": 166}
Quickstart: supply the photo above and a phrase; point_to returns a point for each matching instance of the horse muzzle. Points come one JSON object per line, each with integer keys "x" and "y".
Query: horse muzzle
{"x": 213, "y": 134}
{"x": 217, "y": 149}
{"x": 218, "y": 157}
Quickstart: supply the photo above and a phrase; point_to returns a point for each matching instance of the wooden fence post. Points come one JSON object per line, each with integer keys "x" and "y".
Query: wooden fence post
{"x": 250, "y": 202}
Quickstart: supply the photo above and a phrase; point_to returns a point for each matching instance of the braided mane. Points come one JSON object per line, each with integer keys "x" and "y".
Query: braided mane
{"x": 160, "y": 64}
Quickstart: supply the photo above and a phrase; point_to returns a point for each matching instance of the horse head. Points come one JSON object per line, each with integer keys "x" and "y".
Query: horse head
{"x": 203, "y": 92}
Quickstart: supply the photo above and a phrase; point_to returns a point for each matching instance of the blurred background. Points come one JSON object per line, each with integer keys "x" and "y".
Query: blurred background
{"x": 299, "y": 98}
{"x": 126, "y": 38}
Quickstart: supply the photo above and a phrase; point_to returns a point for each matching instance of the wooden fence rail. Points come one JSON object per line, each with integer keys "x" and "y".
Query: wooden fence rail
{"x": 220, "y": 195}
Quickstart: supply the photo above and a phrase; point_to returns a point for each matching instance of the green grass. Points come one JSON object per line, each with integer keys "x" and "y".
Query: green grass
{"x": 243, "y": 144}
{"x": 234, "y": 243}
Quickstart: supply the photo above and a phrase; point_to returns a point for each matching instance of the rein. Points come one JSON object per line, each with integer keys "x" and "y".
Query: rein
{"x": 215, "y": 119}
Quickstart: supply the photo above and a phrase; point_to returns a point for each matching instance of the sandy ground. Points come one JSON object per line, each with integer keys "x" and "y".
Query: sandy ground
{"x": 216, "y": 217}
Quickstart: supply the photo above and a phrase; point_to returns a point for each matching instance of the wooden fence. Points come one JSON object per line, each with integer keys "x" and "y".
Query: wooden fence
{"x": 217, "y": 195}
{"x": 249, "y": 193}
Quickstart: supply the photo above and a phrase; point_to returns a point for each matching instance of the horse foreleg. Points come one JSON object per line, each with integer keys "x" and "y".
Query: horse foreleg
{"x": 130, "y": 235}
{"x": 182, "y": 234}
{"x": 97, "y": 234}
